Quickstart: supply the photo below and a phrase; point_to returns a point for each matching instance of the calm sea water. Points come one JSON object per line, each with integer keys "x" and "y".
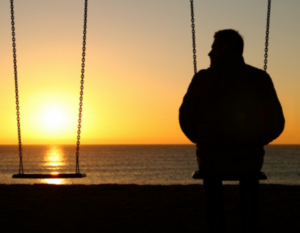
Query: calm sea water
{"x": 133, "y": 164}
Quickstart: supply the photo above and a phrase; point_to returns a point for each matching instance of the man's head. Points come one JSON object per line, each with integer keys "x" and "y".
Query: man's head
{"x": 227, "y": 43}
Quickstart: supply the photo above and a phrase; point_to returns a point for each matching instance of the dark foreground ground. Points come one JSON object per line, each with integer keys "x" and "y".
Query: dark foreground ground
{"x": 133, "y": 208}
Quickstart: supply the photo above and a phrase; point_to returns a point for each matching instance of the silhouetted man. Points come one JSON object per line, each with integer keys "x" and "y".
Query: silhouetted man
{"x": 231, "y": 111}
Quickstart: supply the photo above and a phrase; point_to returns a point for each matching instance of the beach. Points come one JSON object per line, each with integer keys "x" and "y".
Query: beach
{"x": 136, "y": 208}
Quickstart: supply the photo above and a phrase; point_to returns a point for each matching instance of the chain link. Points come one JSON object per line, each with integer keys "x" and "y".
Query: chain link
{"x": 267, "y": 36}
{"x": 193, "y": 36}
{"x": 81, "y": 86}
{"x": 16, "y": 84}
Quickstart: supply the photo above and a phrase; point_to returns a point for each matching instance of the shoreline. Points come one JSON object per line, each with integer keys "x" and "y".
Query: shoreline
{"x": 136, "y": 208}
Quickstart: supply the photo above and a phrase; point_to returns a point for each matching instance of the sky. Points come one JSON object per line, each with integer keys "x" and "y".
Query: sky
{"x": 138, "y": 65}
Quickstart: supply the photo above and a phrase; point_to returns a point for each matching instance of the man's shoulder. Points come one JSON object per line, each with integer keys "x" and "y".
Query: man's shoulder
{"x": 209, "y": 70}
{"x": 202, "y": 77}
{"x": 255, "y": 71}
{"x": 204, "y": 73}
{"x": 259, "y": 76}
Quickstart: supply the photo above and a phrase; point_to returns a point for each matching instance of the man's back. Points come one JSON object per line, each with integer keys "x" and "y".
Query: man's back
{"x": 231, "y": 111}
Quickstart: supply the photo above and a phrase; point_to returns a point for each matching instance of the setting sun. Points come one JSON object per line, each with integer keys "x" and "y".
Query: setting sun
{"x": 50, "y": 114}
{"x": 54, "y": 118}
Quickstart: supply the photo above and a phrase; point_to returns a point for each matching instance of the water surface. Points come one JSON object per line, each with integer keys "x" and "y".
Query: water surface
{"x": 133, "y": 164}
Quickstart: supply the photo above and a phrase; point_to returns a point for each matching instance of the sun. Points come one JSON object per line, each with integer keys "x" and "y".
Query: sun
{"x": 51, "y": 116}
{"x": 54, "y": 118}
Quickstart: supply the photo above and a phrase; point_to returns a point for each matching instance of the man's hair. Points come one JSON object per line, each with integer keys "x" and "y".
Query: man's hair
{"x": 232, "y": 39}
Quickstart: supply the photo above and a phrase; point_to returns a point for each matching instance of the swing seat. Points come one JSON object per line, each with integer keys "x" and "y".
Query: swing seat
{"x": 49, "y": 176}
{"x": 229, "y": 176}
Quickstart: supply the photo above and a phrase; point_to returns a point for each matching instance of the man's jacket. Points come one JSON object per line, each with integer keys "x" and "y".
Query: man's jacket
{"x": 231, "y": 106}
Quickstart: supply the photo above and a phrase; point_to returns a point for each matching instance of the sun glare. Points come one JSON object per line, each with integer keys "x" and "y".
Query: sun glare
{"x": 54, "y": 117}
{"x": 49, "y": 115}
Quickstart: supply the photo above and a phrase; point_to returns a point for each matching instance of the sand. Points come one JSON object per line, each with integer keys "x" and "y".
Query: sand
{"x": 134, "y": 208}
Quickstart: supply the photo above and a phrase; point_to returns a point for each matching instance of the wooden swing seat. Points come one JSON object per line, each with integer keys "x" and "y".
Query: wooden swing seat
{"x": 49, "y": 176}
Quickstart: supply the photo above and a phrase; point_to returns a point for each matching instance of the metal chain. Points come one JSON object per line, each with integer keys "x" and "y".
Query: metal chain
{"x": 267, "y": 35}
{"x": 193, "y": 36}
{"x": 81, "y": 86}
{"x": 16, "y": 84}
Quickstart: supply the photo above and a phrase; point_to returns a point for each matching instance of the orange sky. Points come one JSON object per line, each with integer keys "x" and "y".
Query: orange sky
{"x": 138, "y": 66}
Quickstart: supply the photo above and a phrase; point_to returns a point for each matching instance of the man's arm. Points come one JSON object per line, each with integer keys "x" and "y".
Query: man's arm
{"x": 188, "y": 111}
{"x": 275, "y": 119}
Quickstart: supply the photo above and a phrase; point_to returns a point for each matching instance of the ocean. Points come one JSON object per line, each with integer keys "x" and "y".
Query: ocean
{"x": 133, "y": 164}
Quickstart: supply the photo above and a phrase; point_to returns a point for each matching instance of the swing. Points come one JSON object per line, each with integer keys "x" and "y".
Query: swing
{"x": 229, "y": 176}
{"x": 21, "y": 174}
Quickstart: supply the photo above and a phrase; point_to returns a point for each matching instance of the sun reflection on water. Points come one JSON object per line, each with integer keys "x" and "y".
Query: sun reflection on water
{"x": 54, "y": 160}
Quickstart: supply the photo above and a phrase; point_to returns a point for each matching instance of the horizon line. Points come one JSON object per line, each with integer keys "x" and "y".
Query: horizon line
{"x": 133, "y": 144}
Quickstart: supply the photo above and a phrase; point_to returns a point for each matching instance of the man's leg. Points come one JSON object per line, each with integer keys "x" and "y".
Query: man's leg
{"x": 249, "y": 193}
{"x": 213, "y": 190}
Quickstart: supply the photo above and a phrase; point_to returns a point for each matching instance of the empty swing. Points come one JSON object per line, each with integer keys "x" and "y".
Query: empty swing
{"x": 229, "y": 176}
{"x": 21, "y": 174}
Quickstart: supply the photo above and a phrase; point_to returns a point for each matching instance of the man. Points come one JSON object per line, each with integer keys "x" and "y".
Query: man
{"x": 231, "y": 111}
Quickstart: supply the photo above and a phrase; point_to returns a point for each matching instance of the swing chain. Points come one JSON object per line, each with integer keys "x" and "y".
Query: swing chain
{"x": 193, "y": 36}
{"x": 267, "y": 35}
{"x": 16, "y": 84}
{"x": 81, "y": 86}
